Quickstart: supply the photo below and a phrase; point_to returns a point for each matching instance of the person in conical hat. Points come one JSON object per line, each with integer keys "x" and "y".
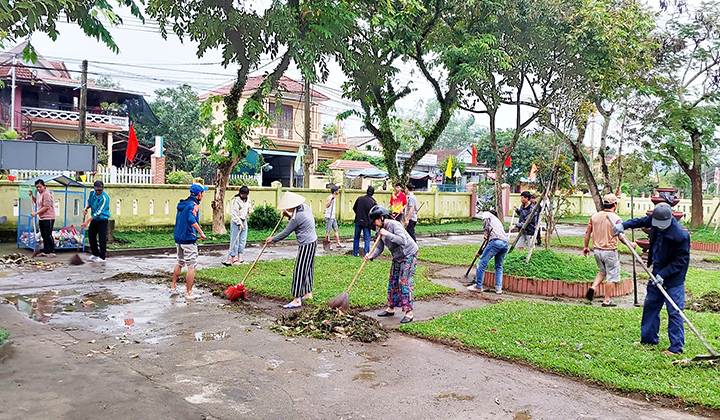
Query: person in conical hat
{"x": 302, "y": 223}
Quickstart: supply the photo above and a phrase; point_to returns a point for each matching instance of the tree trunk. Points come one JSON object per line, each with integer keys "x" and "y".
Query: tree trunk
{"x": 499, "y": 167}
{"x": 607, "y": 187}
{"x": 696, "y": 219}
{"x": 218, "y": 204}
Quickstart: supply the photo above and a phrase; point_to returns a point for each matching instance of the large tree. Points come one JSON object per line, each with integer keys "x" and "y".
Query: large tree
{"x": 427, "y": 35}
{"x": 178, "y": 110}
{"x": 684, "y": 96}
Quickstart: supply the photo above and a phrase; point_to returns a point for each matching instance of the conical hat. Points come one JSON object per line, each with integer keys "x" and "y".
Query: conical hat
{"x": 290, "y": 200}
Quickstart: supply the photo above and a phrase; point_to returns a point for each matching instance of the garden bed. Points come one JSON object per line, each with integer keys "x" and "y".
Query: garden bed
{"x": 549, "y": 273}
{"x": 585, "y": 341}
{"x": 333, "y": 274}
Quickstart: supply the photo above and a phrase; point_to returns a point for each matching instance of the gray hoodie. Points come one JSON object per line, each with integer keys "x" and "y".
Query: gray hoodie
{"x": 303, "y": 224}
{"x": 397, "y": 240}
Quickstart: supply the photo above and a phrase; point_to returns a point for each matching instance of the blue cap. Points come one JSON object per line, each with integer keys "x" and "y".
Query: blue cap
{"x": 196, "y": 189}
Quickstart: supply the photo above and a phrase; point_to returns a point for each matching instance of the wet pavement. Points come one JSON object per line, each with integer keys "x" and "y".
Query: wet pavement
{"x": 107, "y": 341}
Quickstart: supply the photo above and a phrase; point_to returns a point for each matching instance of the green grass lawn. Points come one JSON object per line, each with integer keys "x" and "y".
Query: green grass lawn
{"x": 585, "y": 341}
{"x": 333, "y": 275}
{"x": 705, "y": 235}
{"x": 579, "y": 242}
{"x": 163, "y": 237}
{"x": 544, "y": 264}
{"x": 3, "y": 335}
{"x": 699, "y": 281}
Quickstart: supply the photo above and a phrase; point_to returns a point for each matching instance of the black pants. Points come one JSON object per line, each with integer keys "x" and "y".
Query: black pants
{"x": 98, "y": 229}
{"x": 539, "y": 239}
{"x": 411, "y": 229}
{"x": 46, "y": 229}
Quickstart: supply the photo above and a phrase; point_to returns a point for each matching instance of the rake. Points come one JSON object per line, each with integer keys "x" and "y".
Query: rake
{"x": 342, "y": 300}
{"x": 713, "y": 354}
{"x": 467, "y": 278}
{"x": 238, "y": 291}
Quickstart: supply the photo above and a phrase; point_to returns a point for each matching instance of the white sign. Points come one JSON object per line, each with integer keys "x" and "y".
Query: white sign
{"x": 428, "y": 160}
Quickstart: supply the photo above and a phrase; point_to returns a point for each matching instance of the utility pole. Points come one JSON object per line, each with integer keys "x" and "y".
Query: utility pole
{"x": 83, "y": 102}
{"x": 308, "y": 155}
{"x": 12, "y": 94}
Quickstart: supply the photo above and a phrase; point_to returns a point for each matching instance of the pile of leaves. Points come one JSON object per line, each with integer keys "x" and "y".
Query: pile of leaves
{"x": 327, "y": 323}
{"x": 19, "y": 260}
{"x": 708, "y": 302}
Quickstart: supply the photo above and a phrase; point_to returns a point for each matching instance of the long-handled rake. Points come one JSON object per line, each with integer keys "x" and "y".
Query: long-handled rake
{"x": 342, "y": 300}
{"x": 713, "y": 354}
{"x": 468, "y": 278}
{"x": 238, "y": 291}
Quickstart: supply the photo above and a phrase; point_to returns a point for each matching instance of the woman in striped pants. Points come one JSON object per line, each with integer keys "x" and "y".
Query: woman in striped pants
{"x": 302, "y": 223}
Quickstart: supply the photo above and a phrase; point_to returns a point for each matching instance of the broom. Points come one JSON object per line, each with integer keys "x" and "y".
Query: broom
{"x": 238, "y": 291}
{"x": 342, "y": 300}
{"x": 36, "y": 250}
{"x": 75, "y": 259}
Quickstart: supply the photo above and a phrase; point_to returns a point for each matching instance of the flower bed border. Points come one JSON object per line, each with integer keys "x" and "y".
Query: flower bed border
{"x": 704, "y": 246}
{"x": 553, "y": 287}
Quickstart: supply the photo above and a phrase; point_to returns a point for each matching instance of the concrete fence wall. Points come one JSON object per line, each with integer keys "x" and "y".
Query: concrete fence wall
{"x": 155, "y": 205}
{"x": 584, "y": 205}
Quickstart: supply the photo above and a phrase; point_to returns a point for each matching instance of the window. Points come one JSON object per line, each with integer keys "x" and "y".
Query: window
{"x": 283, "y": 122}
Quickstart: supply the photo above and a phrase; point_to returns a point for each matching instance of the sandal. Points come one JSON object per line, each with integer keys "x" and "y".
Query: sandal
{"x": 386, "y": 313}
{"x": 405, "y": 320}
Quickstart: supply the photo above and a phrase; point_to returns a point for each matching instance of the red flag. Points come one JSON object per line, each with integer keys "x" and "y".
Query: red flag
{"x": 508, "y": 160}
{"x": 474, "y": 155}
{"x": 132, "y": 145}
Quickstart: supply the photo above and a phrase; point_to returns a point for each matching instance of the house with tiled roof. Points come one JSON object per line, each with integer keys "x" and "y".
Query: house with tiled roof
{"x": 287, "y": 130}
{"x": 43, "y": 104}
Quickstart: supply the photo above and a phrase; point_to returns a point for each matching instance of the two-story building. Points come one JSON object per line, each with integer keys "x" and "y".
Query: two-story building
{"x": 43, "y": 104}
{"x": 287, "y": 130}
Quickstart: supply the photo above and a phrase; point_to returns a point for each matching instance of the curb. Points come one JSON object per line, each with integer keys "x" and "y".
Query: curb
{"x": 553, "y": 287}
{"x": 704, "y": 246}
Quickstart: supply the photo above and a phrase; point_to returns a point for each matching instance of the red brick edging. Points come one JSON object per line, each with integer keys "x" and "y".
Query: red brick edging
{"x": 553, "y": 287}
{"x": 703, "y": 246}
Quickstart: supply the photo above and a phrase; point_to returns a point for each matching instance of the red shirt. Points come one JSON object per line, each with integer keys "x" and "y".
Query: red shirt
{"x": 398, "y": 202}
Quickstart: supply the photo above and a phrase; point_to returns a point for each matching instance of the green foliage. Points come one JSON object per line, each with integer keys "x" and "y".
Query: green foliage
{"x": 356, "y": 155}
{"x": 456, "y": 164}
{"x": 585, "y": 341}
{"x": 636, "y": 170}
{"x": 332, "y": 276}
{"x": 248, "y": 180}
{"x": 105, "y": 81}
{"x": 263, "y": 217}
{"x": 9, "y": 134}
{"x": 179, "y": 177}
{"x": 21, "y": 19}
{"x": 178, "y": 110}
{"x": 3, "y": 335}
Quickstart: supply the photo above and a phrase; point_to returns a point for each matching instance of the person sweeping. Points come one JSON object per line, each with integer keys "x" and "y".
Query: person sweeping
{"x": 302, "y": 223}
{"x": 404, "y": 252}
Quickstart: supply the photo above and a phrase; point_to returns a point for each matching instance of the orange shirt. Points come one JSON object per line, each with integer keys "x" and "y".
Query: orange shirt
{"x": 602, "y": 234}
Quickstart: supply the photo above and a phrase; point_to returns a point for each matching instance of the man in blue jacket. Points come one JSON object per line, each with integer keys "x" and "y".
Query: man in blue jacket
{"x": 99, "y": 206}
{"x": 187, "y": 229}
{"x": 669, "y": 255}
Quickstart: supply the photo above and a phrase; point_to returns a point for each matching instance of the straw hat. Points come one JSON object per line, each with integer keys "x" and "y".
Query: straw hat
{"x": 290, "y": 200}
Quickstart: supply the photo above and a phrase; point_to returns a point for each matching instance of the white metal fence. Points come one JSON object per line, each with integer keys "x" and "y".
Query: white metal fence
{"x": 110, "y": 175}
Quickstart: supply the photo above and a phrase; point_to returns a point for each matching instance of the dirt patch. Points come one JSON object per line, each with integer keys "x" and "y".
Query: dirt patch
{"x": 122, "y": 277}
{"x": 19, "y": 260}
{"x": 709, "y": 302}
{"x": 326, "y": 323}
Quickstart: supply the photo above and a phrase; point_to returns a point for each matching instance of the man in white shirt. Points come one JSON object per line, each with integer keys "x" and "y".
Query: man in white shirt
{"x": 331, "y": 224}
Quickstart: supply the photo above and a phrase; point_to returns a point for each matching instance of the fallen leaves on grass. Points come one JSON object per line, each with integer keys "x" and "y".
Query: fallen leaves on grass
{"x": 326, "y": 323}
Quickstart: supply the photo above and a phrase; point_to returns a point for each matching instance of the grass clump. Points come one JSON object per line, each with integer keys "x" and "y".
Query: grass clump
{"x": 585, "y": 341}
{"x": 333, "y": 274}
{"x": 3, "y": 335}
{"x": 706, "y": 236}
{"x": 545, "y": 264}
{"x": 326, "y": 323}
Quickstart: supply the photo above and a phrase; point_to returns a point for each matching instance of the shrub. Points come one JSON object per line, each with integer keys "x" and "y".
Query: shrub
{"x": 248, "y": 180}
{"x": 179, "y": 177}
{"x": 264, "y": 217}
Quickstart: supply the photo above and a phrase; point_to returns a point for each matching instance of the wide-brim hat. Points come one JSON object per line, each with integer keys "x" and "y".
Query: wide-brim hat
{"x": 290, "y": 200}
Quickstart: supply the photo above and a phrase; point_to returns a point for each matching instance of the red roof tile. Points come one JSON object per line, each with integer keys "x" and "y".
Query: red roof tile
{"x": 348, "y": 165}
{"x": 285, "y": 84}
{"x": 335, "y": 147}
